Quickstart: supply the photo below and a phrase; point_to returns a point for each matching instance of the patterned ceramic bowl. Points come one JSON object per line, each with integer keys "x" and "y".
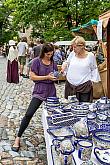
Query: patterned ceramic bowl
{"x": 101, "y": 117}
{"x": 101, "y": 138}
{"x": 91, "y": 116}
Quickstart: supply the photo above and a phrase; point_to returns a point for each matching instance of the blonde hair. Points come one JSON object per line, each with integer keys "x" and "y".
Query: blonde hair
{"x": 79, "y": 40}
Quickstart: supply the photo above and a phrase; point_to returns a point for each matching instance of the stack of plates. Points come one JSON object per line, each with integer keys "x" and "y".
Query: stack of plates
{"x": 80, "y": 110}
{"x": 52, "y": 102}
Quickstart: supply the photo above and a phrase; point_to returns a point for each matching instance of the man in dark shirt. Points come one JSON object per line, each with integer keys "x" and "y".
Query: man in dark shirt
{"x": 37, "y": 48}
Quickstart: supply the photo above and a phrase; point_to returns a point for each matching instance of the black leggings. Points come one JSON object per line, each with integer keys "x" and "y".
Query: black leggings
{"x": 33, "y": 106}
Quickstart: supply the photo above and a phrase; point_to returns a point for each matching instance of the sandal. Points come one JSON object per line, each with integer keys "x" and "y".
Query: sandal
{"x": 15, "y": 149}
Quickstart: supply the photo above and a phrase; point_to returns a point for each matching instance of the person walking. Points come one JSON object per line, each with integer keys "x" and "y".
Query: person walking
{"x": 30, "y": 58}
{"x": 22, "y": 51}
{"x": 82, "y": 72}
{"x": 57, "y": 55}
{"x": 40, "y": 73}
{"x": 35, "y": 52}
{"x": 12, "y": 66}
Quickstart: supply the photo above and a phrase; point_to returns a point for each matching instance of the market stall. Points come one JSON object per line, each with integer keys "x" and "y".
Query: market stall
{"x": 76, "y": 134}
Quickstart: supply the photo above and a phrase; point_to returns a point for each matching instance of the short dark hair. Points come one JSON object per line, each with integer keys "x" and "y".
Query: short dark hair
{"x": 48, "y": 47}
{"x": 24, "y": 39}
{"x": 42, "y": 41}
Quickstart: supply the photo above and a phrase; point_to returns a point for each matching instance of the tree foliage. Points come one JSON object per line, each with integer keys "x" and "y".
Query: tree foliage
{"x": 53, "y": 19}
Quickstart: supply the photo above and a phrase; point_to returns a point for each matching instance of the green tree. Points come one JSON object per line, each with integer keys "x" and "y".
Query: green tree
{"x": 6, "y": 29}
{"x": 54, "y": 19}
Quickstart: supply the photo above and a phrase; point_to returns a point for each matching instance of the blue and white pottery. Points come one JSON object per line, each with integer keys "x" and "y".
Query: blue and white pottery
{"x": 60, "y": 132}
{"x": 64, "y": 148}
{"x": 105, "y": 126}
{"x": 52, "y": 99}
{"x": 101, "y": 138}
{"x": 66, "y": 108}
{"x": 56, "y": 142}
{"x": 103, "y": 155}
{"x": 91, "y": 116}
{"x": 101, "y": 117}
{"x": 84, "y": 149}
{"x": 92, "y": 125}
{"x": 103, "y": 99}
{"x": 73, "y": 98}
{"x": 56, "y": 74}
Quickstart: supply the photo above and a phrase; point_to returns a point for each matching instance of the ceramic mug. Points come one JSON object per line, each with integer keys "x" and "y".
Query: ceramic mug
{"x": 84, "y": 149}
{"x": 56, "y": 74}
{"x": 72, "y": 98}
{"x": 103, "y": 100}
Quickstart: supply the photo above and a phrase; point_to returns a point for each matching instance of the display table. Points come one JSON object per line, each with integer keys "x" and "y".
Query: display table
{"x": 48, "y": 140}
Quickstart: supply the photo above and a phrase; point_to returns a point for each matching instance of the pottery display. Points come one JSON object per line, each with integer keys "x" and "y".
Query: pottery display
{"x": 52, "y": 102}
{"x": 66, "y": 146}
{"x": 74, "y": 125}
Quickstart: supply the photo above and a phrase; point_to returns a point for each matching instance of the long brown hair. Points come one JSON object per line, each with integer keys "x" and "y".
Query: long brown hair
{"x": 45, "y": 49}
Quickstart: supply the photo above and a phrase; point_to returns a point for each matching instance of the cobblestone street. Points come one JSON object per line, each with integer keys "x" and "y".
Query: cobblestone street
{"x": 14, "y": 100}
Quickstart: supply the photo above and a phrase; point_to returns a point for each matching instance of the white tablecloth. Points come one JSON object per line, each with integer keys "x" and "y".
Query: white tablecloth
{"x": 48, "y": 140}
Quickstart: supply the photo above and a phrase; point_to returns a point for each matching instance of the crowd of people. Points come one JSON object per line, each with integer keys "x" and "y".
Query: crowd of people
{"x": 80, "y": 69}
{"x": 22, "y": 54}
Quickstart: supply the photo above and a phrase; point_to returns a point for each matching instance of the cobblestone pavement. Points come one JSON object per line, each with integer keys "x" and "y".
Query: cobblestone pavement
{"x": 14, "y": 100}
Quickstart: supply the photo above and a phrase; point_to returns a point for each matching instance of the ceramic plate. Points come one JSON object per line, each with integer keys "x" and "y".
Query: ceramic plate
{"x": 103, "y": 155}
{"x": 60, "y": 132}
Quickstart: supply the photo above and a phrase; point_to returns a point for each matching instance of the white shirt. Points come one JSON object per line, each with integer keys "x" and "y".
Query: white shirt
{"x": 13, "y": 54}
{"x": 22, "y": 48}
{"x": 80, "y": 70}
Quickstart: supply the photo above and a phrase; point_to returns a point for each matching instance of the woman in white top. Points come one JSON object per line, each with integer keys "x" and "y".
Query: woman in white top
{"x": 12, "y": 66}
{"x": 81, "y": 73}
